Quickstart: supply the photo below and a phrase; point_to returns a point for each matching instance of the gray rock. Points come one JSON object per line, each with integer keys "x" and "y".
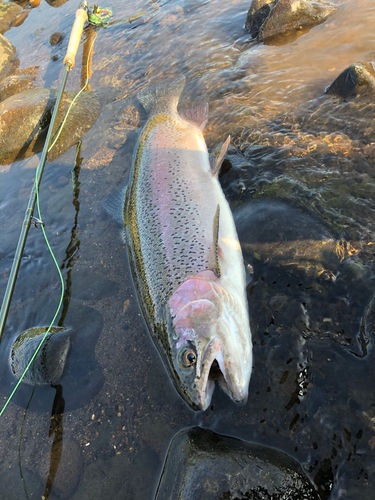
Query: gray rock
{"x": 8, "y": 12}
{"x": 7, "y": 56}
{"x": 357, "y": 80}
{"x": 267, "y": 20}
{"x": 202, "y": 465}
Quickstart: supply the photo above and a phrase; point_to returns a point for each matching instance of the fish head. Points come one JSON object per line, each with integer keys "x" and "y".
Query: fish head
{"x": 210, "y": 341}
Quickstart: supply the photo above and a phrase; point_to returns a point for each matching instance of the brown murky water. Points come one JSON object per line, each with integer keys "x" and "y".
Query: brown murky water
{"x": 311, "y": 390}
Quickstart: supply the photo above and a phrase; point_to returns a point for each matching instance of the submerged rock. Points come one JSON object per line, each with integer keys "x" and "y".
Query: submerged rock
{"x": 275, "y": 232}
{"x": 356, "y": 80}
{"x": 25, "y": 117}
{"x": 203, "y": 465}
{"x": 50, "y": 361}
{"x": 7, "y": 56}
{"x": 266, "y": 19}
{"x": 67, "y": 359}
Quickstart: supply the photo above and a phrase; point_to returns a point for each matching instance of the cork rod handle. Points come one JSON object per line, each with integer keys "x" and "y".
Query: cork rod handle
{"x": 75, "y": 37}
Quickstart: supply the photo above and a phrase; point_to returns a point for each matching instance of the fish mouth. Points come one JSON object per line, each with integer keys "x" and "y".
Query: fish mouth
{"x": 214, "y": 368}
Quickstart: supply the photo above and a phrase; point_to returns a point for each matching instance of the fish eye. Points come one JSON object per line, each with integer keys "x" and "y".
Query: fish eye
{"x": 188, "y": 358}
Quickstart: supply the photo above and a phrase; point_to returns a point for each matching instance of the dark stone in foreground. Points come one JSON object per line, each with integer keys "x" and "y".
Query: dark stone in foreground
{"x": 268, "y": 19}
{"x": 202, "y": 465}
{"x": 355, "y": 81}
{"x": 50, "y": 360}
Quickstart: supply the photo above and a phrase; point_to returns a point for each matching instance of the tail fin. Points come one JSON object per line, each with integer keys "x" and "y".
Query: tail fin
{"x": 163, "y": 97}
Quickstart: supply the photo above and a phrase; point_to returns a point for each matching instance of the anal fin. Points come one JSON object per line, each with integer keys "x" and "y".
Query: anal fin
{"x": 217, "y": 158}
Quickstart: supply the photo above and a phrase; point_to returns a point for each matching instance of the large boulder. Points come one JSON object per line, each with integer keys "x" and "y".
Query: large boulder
{"x": 19, "y": 80}
{"x": 25, "y": 117}
{"x": 268, "y": 19}
{"x": 202, "y": 465}
{"x": 8, "y": 12}
{"x": 357, "y": 80}
{"x": 7, "y": 56}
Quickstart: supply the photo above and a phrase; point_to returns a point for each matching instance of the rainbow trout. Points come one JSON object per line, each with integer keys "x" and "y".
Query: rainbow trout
{"x": 184, "y": 253}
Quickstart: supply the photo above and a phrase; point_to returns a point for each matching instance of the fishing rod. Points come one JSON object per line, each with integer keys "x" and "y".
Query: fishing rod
{"x": 68, "y": 62}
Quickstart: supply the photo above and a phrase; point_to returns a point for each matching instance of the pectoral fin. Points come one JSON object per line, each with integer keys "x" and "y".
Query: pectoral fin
{"x": 217, "y": 158}
{"x": 215, "y": 265}
{"x": 114, "y": 204}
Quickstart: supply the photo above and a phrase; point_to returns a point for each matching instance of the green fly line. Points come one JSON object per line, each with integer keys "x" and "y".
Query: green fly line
{"x": 47, "y": 242}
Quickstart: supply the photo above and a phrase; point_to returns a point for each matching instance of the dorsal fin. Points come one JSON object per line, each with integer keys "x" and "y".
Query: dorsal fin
{"x": 198, "y": 115}
{"x": 217, "y": 158}
{"x": 216, "y": 263}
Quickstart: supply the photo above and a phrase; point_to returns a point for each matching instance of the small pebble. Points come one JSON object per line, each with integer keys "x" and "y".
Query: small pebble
{"x": 56, "y": 38}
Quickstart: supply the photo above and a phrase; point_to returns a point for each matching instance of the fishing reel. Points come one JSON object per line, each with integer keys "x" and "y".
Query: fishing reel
{"x": 99, "y": 17}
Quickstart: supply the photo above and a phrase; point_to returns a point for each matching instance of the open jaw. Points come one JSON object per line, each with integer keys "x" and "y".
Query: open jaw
{"x": 213, "y": 368}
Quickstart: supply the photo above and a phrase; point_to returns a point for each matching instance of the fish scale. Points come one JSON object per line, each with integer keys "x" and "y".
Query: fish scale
{"x": 175, "y": 237}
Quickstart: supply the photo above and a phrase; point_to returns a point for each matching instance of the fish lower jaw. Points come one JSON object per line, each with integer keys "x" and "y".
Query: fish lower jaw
{"x": 206, "y": 396}
{"x": 214, "y": 374}
{"x": 239, "y": 397}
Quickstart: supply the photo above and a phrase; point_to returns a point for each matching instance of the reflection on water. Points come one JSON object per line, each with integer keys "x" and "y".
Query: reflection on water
{"x": 310, "y": 392}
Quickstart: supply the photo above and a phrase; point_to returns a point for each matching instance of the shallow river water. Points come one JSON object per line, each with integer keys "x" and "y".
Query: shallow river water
{"x": 301, "y": 167}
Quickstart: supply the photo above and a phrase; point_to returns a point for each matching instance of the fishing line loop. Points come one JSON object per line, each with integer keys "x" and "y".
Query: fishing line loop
{"x": 37, "y": 223}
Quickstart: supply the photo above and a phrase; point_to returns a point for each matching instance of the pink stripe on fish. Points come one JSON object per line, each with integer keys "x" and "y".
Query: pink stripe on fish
{"x": 161, "y": 177}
